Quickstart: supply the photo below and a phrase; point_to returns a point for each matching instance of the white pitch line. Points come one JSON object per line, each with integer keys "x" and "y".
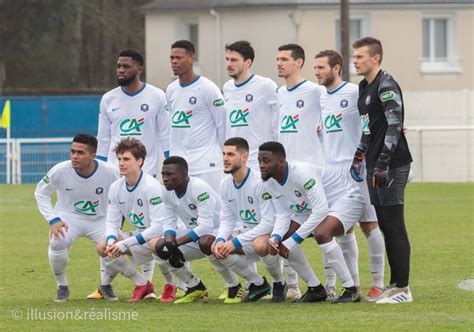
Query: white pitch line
{"x": 467, "y": 285}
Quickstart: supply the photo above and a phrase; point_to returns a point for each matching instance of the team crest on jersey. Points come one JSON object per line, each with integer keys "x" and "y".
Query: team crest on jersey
{"x": 131, "y": 127}
{"x": 332, "y": 123}
{"x": 367, "y": 100}
{"x": 288, "y": 123}
{"x": 238, "y": 118}
{"x": 99, "y": 190}
{"x": 250, "y": 199}
{"x": 192, "y": 100}
{"x": 180, "y": 119}
{"x": 144, "y": 108}
{"x": 192, "y": 206}
{"x": 300, "y": 103}
{"x": 300, "y": 208}
{"x": 137, "y": 219}
{"x": 248, "y": 216}
{"x": 139, "y": 202}
{"x": 249, "y": 98}
{"x": 297, "y": 193}
{"x": 88, "y": 208}
{"x": 344, "y": 103}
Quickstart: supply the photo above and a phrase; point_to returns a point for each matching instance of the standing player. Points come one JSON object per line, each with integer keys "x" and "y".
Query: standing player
{"x": 385, "y": 149}
{"x": 133, "y": 109}
{"x": 242, "y": 211}
{"x": 197, "y": 117}
{"x": 251, "y": 101}
{"x": 299, "y": 116}
{"x": 341, "y": 133}
{"x": 81, "y": 185}
{"x": 197, "y": 205}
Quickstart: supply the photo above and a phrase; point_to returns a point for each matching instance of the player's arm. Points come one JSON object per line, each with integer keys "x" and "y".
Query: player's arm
{"x": 113, "y": 224}
{"x": 44, "y": 189}
{"x": 163, "y": 125}
{"x": 319, "y": 210}
{"x": 272, "y": 100}
{"x": 217, "y": 108}
{"x": 103, "y": 133}
{"x": 391, "y": 99}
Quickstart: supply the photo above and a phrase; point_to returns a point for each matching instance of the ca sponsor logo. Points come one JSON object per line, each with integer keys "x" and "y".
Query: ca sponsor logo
{"x": 238, "y": 118}
{"x": 288, "y": 123}
{"x": 180, "y": 119}
{"x": 364, "y": 123}
{"x": 332, "y": 123}
{"x": 193, "y": 222}
{"x": 136, "y": 219}
{"x": 131, "y": 127}
{"x": 248, "y": 216}
{"x": 88, "y": 208}
{"x": 300, "y": 208}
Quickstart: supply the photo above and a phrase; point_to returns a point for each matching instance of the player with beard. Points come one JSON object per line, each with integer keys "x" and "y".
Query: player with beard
{"x": 133, "y": 109}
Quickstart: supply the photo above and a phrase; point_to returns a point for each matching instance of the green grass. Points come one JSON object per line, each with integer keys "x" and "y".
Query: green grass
{"x": 440, "y": 224}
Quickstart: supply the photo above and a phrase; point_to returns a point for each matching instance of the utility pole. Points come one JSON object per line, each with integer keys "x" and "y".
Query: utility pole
{"x": 345, "y": 33}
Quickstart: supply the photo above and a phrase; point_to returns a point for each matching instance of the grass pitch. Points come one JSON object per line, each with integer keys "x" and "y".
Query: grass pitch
{"x": 439, "y": 218}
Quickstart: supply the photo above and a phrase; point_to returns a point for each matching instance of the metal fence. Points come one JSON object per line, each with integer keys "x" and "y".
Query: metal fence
{"x": 440, "y": 153}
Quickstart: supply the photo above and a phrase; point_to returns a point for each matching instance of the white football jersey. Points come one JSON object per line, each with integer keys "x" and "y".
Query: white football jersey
{"x": 142, "y": 115}
{"x": 341, "y": 125}
{"x": 78, "y": 197}
{"x": 243, "y": 206}
{"x": 141, "y": 205}
{"x": 300, "y": 196}
{"x": 252, "y": 113}
{"x": 197, "y": 124}
{"x": 300, "y": 115}
{"x": 198, "y": 208}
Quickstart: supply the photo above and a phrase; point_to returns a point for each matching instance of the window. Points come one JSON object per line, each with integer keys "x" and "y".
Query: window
{"x": 359, "y": 27}
{"x": 188, "y": 28}
{"x": 439, "y": 53}
{"x": 193, "y": 33}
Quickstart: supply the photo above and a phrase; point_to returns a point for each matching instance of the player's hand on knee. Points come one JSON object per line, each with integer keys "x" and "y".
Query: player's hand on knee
{"x": 227, "y": 249}
{"x": 216, "y": 249}
{"x": 58, "y": 230}
{"x": 284, "y": 251}
{"x": 356, "y": 166}
{"x": 273, "y": 246}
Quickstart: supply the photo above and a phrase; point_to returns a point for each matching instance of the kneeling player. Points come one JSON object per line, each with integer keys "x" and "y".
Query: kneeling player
{"x": 194, "y": 202}
{"x": 81, "y": 184}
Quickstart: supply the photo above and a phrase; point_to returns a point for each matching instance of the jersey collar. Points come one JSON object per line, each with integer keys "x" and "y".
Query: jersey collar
{"x": 134, "y": 93}
{"x": 190, "y": 83}
{"x": 343, "y": 84}
{"x": 135, "y": 185}
{"x": 294, "y": 87}
{"x": 244, "y": 82}
{"x": 285, "y": 178}
{"x": 92, "y": 173}
{"x": 238, "y": 186}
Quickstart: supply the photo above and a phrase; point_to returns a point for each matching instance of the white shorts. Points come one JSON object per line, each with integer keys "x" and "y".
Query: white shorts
{"x": 247, "y": 248}
{"x": 140, "y": 253}
{"x": 93, "y": 230}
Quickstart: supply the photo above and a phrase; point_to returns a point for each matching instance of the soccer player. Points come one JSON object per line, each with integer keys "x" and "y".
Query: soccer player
{"x": 385, "y": 149}
{"x": 133, "y": 109}
{"x": 197, "y": 117}
{"x": 197, "y": 205}
{"x": 300, "y": 110}
{"x": 251, "y": 101}
{"x": 299, "y": 116}
{"x": 341, "y": 131}
{"x": 242, "y": 211}
{"x": 81, "y": 184}
{"x": 306, "y": 203}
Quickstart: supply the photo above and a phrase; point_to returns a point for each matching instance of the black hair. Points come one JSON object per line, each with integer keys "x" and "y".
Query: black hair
{"x": 242, "y": 47}
{"x": 297, "y": 52}
{"x": 134, "y": 54}
{"x": 274, "y": 147}
{"x": 186, "y": 44}
{"x": 240, "y": 143}
{"x": 86, "y": 139}
{"x": 176, "y": 160}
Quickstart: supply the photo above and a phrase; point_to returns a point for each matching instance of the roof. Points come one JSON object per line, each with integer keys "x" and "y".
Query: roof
{"x": 208, "y": 4}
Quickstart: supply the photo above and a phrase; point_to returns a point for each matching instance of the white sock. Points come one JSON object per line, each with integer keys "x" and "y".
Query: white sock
{"x": 121, "y": 265}
{"x": 58, "y": 262}
{"x": 240, "y": 265}
{"x": 186, "y": 275}
{"x": 230, "y": 279}
{"x": 272, "y": 265}
{"x": 348, "y": 244}
{"x": 147, "y": 270}
{"x": 335, "y": 260}
{"x": 298, "y": 261}
{"x": 291, "y": 275}
{"x": 376, "y": 248}
{"x": 163, "y": 266}
{"x": 329, "y": 273}
{"x": 106, "y": 277}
